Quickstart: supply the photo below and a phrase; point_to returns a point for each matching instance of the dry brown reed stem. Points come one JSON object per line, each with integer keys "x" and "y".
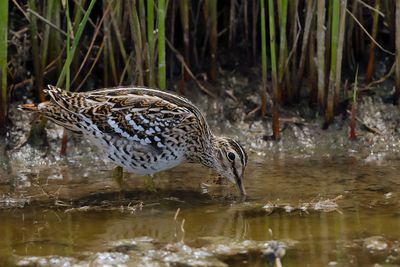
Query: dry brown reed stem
{"x": 283, "y": 49}
{"x": 310, "y": 8}
{"x": 138, "y": 43}
{"x": 246, "y": 24}
{"x": 371, "y": 60}
{"x": 255, "y": 8}
{"x": 196, "y": 16}
{"x": 352, "y": 125}
{"x": 397, "y": 21}
{"x": 321, "y": 53}
{"x": 213, "y": 17}
{"x": 232, "y": 23}
{"x": 171, "y": 18}
{"x": 263, "y": 60}
{"x": 312, "y": 70}
{"x": 350, "y": 36}
{"x": 362, "y": 28}
{"x": 184, "y": 11}
{"x": 295, "y": 30}
{"x": 342, "y": 23}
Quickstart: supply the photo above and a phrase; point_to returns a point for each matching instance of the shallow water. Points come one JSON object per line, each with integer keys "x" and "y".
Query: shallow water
{"x": 325, "y": 211}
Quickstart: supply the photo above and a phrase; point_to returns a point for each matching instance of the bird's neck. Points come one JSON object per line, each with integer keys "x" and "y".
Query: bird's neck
{"x": 208, "y": 154}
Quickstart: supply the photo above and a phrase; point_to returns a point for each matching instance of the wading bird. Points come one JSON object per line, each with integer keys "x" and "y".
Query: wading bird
{"x": 144, "y": 130}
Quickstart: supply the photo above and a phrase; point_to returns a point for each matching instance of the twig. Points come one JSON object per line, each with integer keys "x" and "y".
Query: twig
{"x": 367, "y": 33}
{"x": 22, "y": 10}
{"x": 295, "y": 42}
{"x": 97, "y": 29}
{"x": 93, "y": 65}
{"x": 182, "y": 60}
{"x": 252, "y": 113}
{"x": 369, "y": 128}
{"x": 371, "y": 8}
{"x": 384, "y": 78}
{"x": 49, "y": 23}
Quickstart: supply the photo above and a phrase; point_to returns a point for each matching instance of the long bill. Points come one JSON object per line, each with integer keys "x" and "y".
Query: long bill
{"x": 240, "y": 187}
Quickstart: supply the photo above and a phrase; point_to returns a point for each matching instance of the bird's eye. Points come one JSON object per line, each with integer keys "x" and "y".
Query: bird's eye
{"x": 231, "y": 156}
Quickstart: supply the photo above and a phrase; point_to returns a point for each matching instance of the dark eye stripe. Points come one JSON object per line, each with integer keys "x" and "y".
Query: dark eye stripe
{"x": 241, "y": 152}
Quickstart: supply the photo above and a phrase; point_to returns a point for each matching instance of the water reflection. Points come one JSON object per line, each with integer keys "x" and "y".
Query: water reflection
{"x": 370, "y": 207}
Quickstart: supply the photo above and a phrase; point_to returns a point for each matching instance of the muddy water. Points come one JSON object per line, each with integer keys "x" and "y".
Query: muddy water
{"x": 332, "y": 211}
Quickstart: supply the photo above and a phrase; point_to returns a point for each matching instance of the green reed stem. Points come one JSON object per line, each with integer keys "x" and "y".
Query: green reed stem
{"x": 275, "y": 88}
{"x": 37, "y": 67}
{"x": 69, "y": 59}
{"x": 151, "y": 42}
{"x": 263, "y": 60}
{"x": 334, "y": 43}
{"x": 150, "y": 38}
{"x": 161, "y": 45}
{"x": 354, "y": 109}
{"x": 56, "y": 43}
{"x": 46, "y": 35}
{"x": 115, "y": 22}
{"x": 3, "y": 65}
{"x": 75, "y": 43}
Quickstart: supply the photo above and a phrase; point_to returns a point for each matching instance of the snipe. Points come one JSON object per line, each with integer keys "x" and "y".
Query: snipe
{"x": 144, "y": 130}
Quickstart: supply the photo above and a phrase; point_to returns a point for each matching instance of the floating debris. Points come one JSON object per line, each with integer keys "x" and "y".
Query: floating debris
{"x": 7, "y": 202}
{"x": 323, "y": 205}
{"x": 108, "y": 205}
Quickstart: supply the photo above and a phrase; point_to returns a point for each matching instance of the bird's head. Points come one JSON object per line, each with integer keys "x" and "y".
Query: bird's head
{"x": 230, "y": 160}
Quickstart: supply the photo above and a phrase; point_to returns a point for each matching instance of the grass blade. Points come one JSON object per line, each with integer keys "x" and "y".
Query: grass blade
{"x": 75, "y": 43}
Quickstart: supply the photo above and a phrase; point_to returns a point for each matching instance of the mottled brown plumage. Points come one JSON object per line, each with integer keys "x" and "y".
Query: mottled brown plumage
{"x": 144, "y": 130}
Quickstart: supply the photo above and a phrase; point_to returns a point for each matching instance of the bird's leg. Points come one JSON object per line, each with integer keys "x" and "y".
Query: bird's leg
{"x": 118, "y": 176}
{"x": 149, "y": 183}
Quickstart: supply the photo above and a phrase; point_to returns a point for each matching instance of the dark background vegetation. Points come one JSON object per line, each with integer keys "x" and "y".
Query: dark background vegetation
{"x": 299, "y": 50}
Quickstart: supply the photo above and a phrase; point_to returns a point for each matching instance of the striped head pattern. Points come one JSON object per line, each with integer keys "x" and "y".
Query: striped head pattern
{"x": 230, "y": 160}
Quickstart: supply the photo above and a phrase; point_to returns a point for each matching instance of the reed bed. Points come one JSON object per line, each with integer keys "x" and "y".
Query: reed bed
{"x": 314, "y": 47}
